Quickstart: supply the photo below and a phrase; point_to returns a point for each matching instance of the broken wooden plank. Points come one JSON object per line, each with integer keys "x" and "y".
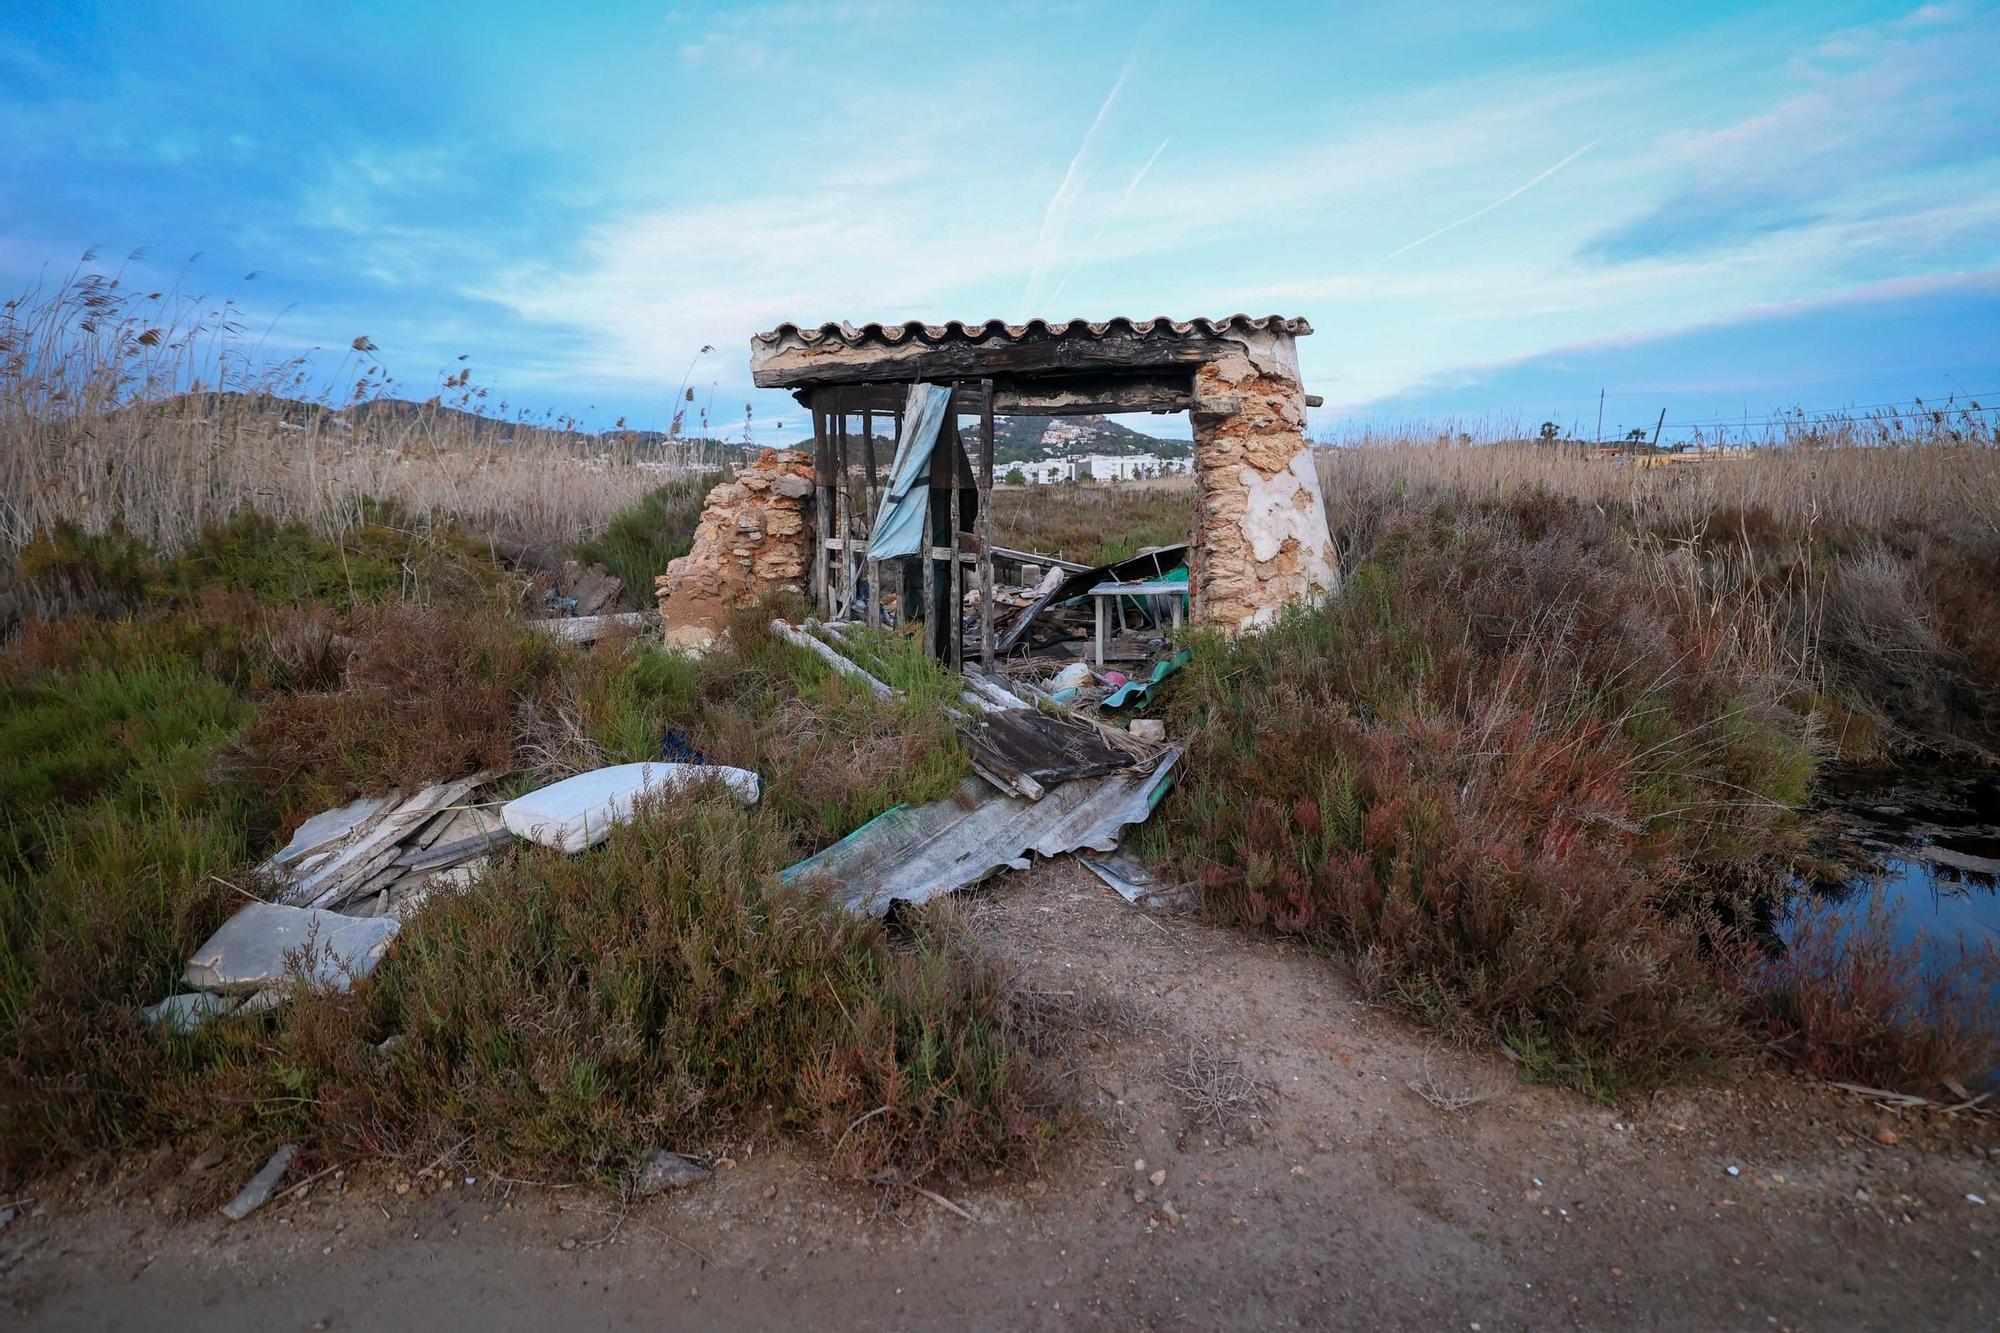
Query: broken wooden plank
{"x": 446, "y": 855}
{"x": 365, "y": 856}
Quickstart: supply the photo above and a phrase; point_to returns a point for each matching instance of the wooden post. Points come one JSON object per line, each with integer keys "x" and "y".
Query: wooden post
{"x": 844, "y": 592}
{"x": 874, "y": 508}
{"x": 930, "y": 546}
{"x": 956, "y": 593}
{"x": 986, "y": 634}
{"x": 822, "y": 510}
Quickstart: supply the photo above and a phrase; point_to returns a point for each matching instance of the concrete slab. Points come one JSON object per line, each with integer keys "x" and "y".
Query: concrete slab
{"x": 260, "y": 946}
{"x": 184, "y": 1013}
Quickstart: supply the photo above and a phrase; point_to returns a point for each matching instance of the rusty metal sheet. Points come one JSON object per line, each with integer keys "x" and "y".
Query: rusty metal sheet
{"x": 1029, "y": 743}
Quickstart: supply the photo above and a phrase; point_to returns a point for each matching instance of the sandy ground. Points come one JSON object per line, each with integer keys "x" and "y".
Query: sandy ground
{"x": 1351, "y": 1199}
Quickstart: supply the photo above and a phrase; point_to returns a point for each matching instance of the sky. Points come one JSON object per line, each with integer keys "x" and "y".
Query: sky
{"x": 1489, "y": 212}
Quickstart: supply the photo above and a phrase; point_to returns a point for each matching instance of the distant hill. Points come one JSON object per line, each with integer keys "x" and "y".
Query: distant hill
{"x": 391, "y": 417}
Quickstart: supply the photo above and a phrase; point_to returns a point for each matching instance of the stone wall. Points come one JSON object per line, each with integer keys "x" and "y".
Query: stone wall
{"x": 755, "y": 536}
{"x": 1261, "y": 538}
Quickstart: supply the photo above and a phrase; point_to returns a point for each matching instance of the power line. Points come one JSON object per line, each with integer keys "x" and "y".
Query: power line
{"x": 1970, "y": 405}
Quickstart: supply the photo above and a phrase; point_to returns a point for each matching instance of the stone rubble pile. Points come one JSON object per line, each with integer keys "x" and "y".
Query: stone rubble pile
{"x": 755, "y": 536}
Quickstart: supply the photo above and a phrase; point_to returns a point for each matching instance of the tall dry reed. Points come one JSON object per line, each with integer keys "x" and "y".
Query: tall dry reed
{"x": 158, "y": 412}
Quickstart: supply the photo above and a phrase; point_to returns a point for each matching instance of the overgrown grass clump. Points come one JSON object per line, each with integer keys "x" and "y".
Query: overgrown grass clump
{"x": 565, "y": 1011}
{"x": 568, "y": 1012}
{"x": 1499, "y": 774}
{"x": 639, "y": 540}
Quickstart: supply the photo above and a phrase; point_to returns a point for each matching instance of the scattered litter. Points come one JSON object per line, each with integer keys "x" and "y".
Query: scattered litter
{"x": 1974, "y": 1198}
{"x": 1155, "y": 563}
{"x": 366, "y": 857}
{"x": 676, "y": 748}
{"x": 1734, "y": 1171}
{"x": 579, "y": 812}
{"x": 1148, "y": 729}
{"x": 258, "y": 1192}
{"x": 182, "y": 1014}
{"x": 268, "y": 998}
{"x": 663, "y": 1170}
{"x": 1072, "y": 677}
{"x": 327, "y": 828}
{"x": 265, "y": 944}
{"x": 583, "y": 590}
{"x": 1135, "y": 694}
{"x": 1135, "y": 883}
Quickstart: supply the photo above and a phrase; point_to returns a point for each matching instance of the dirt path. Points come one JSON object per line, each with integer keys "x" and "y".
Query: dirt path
{"x": 1351, "y": 1200}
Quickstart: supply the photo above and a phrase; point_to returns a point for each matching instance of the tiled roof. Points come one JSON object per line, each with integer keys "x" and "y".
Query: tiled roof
{"x": 1035, "y": 330}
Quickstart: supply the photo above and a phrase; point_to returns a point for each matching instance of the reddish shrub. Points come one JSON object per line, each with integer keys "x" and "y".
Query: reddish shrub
{"x": 1850, "y": 1002}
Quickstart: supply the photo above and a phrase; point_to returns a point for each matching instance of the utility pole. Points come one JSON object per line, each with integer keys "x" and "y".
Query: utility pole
{"x": 1599, "y": 437}
{"x": 1656, "y": 427}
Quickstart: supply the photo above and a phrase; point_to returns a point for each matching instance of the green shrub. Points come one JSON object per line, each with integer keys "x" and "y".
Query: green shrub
{"x": 639, "y": 541}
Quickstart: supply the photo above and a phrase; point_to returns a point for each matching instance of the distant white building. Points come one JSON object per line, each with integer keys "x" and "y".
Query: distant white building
{"x": 1100, "y": 467}
{"x": 1048, "y": 470}
{"x": 1128, "y": 467}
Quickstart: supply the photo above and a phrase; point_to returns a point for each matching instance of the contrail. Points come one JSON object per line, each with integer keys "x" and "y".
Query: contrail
{"x": 1055, "y": 218}
{"x": 1134, "y": 183}
{"x": 1104, "y": 223}
{"x": 1513, "y": 194}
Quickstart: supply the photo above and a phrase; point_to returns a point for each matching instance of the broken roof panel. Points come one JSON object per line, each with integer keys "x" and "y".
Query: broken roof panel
{"x": 916, "y": 853}
{"x": 1026, "y": 742}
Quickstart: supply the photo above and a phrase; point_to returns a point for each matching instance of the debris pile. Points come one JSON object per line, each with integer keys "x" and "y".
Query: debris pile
{"x": 377, "y": 856}
{"x": 1047, "y": 782}
{"x": 754, "y": 537}
{"x": 351, "y": 875}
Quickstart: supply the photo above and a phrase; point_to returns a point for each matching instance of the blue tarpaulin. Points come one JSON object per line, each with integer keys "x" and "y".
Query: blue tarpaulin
{"x": 900, "y": 526}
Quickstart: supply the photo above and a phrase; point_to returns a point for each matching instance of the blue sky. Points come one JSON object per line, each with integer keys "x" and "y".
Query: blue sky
{"x": 1487, "y": 211}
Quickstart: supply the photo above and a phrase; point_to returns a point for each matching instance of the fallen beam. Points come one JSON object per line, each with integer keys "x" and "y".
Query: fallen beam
{"x": 832, "y": 658}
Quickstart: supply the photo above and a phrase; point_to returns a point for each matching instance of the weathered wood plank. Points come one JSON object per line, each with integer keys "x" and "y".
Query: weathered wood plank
{"x": 835, "y": 363}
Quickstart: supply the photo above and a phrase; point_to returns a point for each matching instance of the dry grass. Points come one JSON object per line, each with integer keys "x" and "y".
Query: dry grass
{"x": 1859, "y": 561}
{"x": 1215, "y": 1090}
{"x": 1948, "y": 478}
{"x": 156, "y": 413}
{"x": 1094, "y": 522}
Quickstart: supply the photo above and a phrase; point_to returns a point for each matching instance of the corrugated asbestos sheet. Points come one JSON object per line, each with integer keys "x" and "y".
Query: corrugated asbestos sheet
{"x": 1035, "y": 330}
{"x": 916, "y": 853}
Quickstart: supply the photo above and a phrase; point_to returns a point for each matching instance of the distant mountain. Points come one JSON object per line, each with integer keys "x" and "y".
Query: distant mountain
{"x": 388, "y": 419}
{"x": 1029, "y": 439}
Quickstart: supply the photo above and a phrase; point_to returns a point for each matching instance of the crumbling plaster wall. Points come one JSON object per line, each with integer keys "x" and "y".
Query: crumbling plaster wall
{"x": 1261, "y": 538}
{"x": 755, "y": 536}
